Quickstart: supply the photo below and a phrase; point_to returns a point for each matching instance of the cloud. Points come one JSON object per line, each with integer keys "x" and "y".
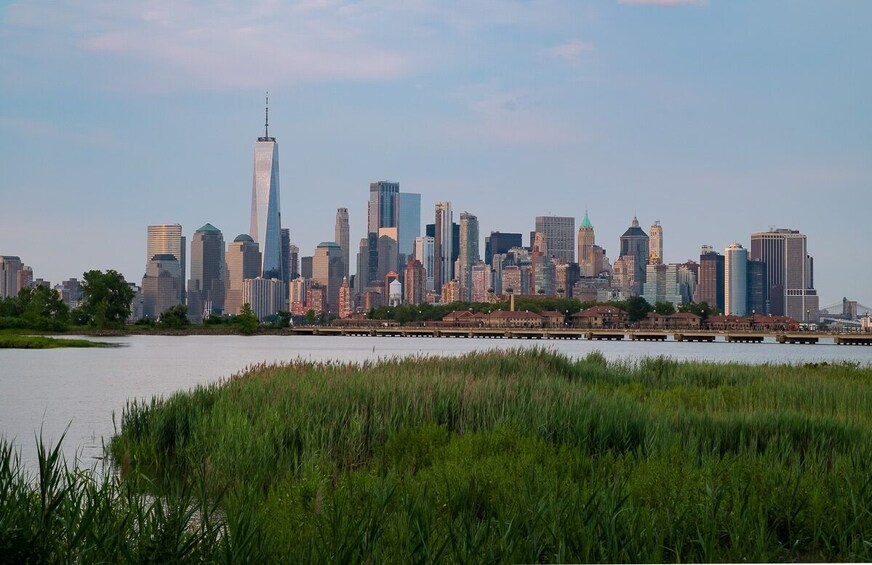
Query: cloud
{"x": 572, "y": 50}
{"x": 663, "y": 2}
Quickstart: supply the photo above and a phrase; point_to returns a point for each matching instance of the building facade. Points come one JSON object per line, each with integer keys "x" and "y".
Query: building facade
{"x": 559, "y": 232}
{"x": 166, "y": 239}
{"x": 205, "y": 293}
{"x": 266, "y": 220}
{"x": 443, "y": 246}
{"x": 634, "y": 244}
{"x": 790, "y": 273}
{"x": 735, "y": 280}
{"x": 327, "y": 272}
{"x": 468, "y": 252}
{"x": 265, "y": 296}
{"x": 710, "y": 284}
{"x": 242, "y": 261}
{"x": 342, "y": 234}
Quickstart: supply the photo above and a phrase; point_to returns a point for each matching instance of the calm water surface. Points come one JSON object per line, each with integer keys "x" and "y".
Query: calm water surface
{"x": 54, "y": 388}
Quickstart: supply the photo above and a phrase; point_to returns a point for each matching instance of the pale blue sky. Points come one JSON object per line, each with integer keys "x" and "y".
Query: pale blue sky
{"x": 717, "y": 118}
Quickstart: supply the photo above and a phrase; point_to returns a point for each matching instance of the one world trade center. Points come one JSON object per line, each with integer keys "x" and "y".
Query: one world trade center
{"x": 266, "y": 218}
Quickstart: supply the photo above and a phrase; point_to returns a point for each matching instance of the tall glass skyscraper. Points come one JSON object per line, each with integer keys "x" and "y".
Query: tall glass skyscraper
{"x": 266, "y": 224}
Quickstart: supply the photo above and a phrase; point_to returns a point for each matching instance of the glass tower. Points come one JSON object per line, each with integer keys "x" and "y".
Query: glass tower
{"x": 266, "y": 225}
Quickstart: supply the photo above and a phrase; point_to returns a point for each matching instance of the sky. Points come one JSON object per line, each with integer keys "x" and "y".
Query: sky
{"x": 719, "y": 118}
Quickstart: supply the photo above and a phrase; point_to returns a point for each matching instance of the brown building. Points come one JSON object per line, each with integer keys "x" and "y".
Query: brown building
{"x": 710, "y": 283}
{"x": 416, "y": 282}
{"x": 600, "y": 317}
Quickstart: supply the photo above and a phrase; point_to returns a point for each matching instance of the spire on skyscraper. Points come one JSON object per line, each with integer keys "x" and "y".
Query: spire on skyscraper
{"x": 266, "y": 123}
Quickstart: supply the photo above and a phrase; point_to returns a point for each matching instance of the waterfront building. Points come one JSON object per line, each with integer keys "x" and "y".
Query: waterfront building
{"x": 266, "y": 220}
{"x": 341, "y": 233}
{"x": 655, "y": 243}
{"x": 208, "y": 271}
{"x": 468, "y": 251}
{"x": 424, "y": 252}
{"x": 265, "y": 296}
{"x": 634, "y": 244}
{"x": 443, "y": 247}
{"x": 735, "y": 280}
{"x": 500, "y": 242}
{"x": 242, "y": 261}
{"x": 559, "y": 233}
{"x": 416, "y": 281}
{"x": 710, "y": 284}
{"x": 9, "y": 267}
{"x": 327, "y": 271}
{"x": 166, "y": 239}
{"x": 160, "y": 285}
{"x": 790, "y": 273}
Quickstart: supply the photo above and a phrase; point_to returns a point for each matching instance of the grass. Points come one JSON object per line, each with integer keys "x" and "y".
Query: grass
{"x": 525, "y": 456}
{"x": 13, "y": 341}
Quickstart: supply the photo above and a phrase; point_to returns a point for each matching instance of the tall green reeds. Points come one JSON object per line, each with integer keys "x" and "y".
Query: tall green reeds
{"x": 525, "y": 456}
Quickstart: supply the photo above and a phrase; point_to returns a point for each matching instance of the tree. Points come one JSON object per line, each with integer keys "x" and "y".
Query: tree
{"x": 637, "y": 308}
{"x": 664, "y": 308}
{"x": 175, "y": 317}
{"x": 701, "y": 309}
{"x": 106, "y": 298}
{"x": 311, "y": 317}
{"x": 43, "y": 308}
{"x": 247, "y": 320}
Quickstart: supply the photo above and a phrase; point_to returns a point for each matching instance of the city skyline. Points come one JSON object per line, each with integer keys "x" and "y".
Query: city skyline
{"x": 715, "y": 133}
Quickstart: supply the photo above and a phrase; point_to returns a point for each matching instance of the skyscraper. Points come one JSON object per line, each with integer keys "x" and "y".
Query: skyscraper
{"x": 341, "y": 232}
{"x": 468, "y": 252}
{"x": 424, "y": 250}
{"x": 710, "y": 285}
{"x": 327, "y": 271}
{"x": 408, "y": 206}
{"x": 381, "y": 211}
{"x": 9, "y": 267}
{"x": 206, "y": 285}
{"x": 266, "y": 220}
{"x": 655, "y": 244}
{"x": 167, "y": 239}
{"x": 243, "y": 261}
{"x": 286, "y": 255}
{"x": 586, "y": 242}
{"x": 634, "y": 245}
{"x": 443, "y": 246}
{"x": 559, "y": 232}
{"x": 789, "y": 270}
{"x": 500, "y": 242}
{"x": 735, "y": 280}
{"x": 161, "y": 284}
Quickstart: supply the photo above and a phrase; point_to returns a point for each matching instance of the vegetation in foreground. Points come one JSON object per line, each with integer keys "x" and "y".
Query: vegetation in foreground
{"x": 492, "y": 457}
{"x": 15, "y": 341}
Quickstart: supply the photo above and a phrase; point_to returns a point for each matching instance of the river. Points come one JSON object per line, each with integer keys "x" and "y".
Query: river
{"x": 51, "y": 389}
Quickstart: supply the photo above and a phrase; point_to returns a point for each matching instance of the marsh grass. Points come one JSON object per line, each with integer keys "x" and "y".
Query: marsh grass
{"x": 15, "y": 341}
{"x": 524, "y": 456}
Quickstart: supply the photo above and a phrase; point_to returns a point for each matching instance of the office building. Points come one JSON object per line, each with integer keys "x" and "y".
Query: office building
{"x": 286, "y": 255}
{"x": 388, "y": 252}
{"x": 559, "y": 232}
{"x": 443, "y": 247}
{"x": 635, "y": 252}
{"x": 655, "y": 244}
{"x": 500, "y": 242}
{"x": 161, "y": 284}
{"x": 789, "y": 270}
{"x": 306, "y": 267}
{"x": 758, "y": 288}
{"x": 735, "y": 280}
{"x": 710, "y": 283}
{"x": 9, "y": 267}
{"x": 381, "y": 210}
{"x": 205, "y": 293}
{"x": 265, "y": 296}
{"x": 468, "y": 252}
{"x": 293, "y": 261}
{"x": 587, "y": 259}
{"x": 242, "y": 261}
{"x": 346, "y": 303}
{"x": 662, "y": 284}
{"x": 327, "y": 271}
{"x": 167, "y": 239}
{"x": 416, "y": 281}
{"x": 480, "y": 281}
{"x": 266, "y": 220}
{"x": 424, "y": 252}
{"x": 408, "y": 206}
{"x": 341, "y": 233}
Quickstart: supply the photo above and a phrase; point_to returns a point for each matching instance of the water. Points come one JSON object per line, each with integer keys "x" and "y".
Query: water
{"x": 81, "y": 388}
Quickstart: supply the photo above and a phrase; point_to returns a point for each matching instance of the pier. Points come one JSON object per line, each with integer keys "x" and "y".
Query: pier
{"x": 698, "y": 336}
